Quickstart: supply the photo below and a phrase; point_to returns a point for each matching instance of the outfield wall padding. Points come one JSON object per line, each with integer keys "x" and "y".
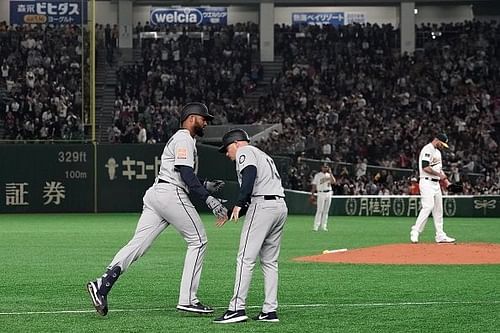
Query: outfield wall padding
{"x": 403, "y": 206}
{"x": 50, "y": 178}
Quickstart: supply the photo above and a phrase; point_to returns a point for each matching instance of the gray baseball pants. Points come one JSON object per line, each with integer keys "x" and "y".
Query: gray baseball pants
{"x": 260, "y": 237}
{"x": 166, "y": 204}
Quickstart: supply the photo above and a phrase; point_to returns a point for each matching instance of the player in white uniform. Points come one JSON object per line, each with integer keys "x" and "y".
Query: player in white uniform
{"x": 431, "y": 173}
{"x": 322, "y": 185}
{"x": 263, "y": 195}
{"x": 166, "y": 203}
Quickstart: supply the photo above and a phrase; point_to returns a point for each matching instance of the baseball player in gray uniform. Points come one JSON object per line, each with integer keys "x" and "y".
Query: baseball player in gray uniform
{"x": 262, "y": 195}
{"x": 166, "y": 203}
{"x": 431, "y": 173}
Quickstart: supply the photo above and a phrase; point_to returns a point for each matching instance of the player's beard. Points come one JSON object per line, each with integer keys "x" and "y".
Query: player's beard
{"x": 199, "y": 130}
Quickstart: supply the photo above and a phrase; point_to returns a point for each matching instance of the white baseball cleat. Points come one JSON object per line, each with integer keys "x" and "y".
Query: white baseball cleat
{"x": 414, "y": 237}
{"x": 445, "y": 239}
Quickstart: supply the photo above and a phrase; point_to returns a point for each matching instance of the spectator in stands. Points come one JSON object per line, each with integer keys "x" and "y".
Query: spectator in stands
{"x": 413, "y": 189}
{"x": 5, "y": 70}
{"x": 141, "y": 135}
{"x": 41, "y": 69}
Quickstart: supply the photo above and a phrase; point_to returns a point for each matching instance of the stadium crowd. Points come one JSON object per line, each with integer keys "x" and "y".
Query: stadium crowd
{"x": 345, "y": 94}
{"x": 185, "y": 65}
{"x": 41, "y": 81}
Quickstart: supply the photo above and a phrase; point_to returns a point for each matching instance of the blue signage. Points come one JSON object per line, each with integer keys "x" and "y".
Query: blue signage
{"x": 188, "y": 15}
{"x": 48, "y": 12}
{"x": 336, "y": 19}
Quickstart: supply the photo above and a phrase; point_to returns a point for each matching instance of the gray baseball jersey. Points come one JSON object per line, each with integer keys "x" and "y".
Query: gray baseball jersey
{"x": 262, "y": 229}
{"x": 165, "y": 203}
{"x": 179, "y": 150}
{"x": 268, "y": 181}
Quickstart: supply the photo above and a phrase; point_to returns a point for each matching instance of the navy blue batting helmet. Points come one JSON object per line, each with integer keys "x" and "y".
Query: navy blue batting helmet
{"x": 195, "y": 108}
{"x": 233, "y": 136}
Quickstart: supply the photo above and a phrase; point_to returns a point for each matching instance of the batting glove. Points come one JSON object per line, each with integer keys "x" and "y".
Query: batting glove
{"x": 217, "y": 207}
{"x": 214, "y": 185}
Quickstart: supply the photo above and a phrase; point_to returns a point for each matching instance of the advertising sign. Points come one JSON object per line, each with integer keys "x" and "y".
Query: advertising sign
{"x": 188, "y": 15}
{"x": 334, "y": 18}
{"x": 48, "y": 12}
{"x": 351, "y": 18}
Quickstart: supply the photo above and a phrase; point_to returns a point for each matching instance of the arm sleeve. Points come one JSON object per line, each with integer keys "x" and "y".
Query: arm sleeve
{"x": 425, "y": 163}
{"x": 192, "y": 181}
{"x": 248, "y": 175}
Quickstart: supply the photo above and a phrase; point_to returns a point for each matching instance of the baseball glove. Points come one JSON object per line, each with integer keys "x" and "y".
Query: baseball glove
{"x": 313, "y": 200}
{"x": 455, "y": 188}
{"x": 444, "y": 183}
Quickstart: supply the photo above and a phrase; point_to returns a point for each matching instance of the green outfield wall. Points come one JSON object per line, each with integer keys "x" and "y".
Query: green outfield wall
{"x": 459, "y": 206}
{"x": 113, "y": 178}
{"x": 126, "y": 171}
{"x": 46, "y": 178}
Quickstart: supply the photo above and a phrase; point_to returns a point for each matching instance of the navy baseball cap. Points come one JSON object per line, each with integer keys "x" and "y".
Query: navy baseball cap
{"x": 443, "y": 138}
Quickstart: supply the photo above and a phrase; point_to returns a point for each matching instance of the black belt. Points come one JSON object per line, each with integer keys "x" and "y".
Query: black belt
{"x": 269, "y": 197}
{"x": 432, "y": 179}
{"x": 325, "y": 191}
{"x": 272, "y": 197}
{"x": 161, "y": 181}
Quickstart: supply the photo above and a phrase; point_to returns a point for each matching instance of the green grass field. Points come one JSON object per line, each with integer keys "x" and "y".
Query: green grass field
{"x": 47, "y": 259}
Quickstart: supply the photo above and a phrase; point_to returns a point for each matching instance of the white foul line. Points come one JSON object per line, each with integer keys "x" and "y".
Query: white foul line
{"x": 320, "y": 305}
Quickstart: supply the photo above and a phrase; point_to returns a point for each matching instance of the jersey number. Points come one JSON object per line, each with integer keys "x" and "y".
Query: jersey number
{"x": 274, "y": 172}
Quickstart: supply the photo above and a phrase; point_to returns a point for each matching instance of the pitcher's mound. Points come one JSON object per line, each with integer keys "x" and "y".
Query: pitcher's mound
{"x": 415, "y": 254}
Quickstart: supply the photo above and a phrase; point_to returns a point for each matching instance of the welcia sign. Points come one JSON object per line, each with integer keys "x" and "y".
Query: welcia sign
{"x": 188, "y": 15}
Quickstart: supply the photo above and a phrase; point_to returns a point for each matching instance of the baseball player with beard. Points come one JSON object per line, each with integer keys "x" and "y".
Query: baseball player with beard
{"x": 322, "y": 185}
{"x": 430, "y": 169}
{"x": 262, "y": 196}
{"x": 166, "y": 203}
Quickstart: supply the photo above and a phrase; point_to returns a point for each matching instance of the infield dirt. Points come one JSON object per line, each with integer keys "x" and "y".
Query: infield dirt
{"x": 414, "y": 254}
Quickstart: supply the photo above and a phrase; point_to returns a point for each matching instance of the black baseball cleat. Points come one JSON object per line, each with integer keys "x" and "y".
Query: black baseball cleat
{"x": 270, "y": 317}
{"x": 198, "y": 308}
{"x": 99, "y": 300}
{"x": 232, "y": 317}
